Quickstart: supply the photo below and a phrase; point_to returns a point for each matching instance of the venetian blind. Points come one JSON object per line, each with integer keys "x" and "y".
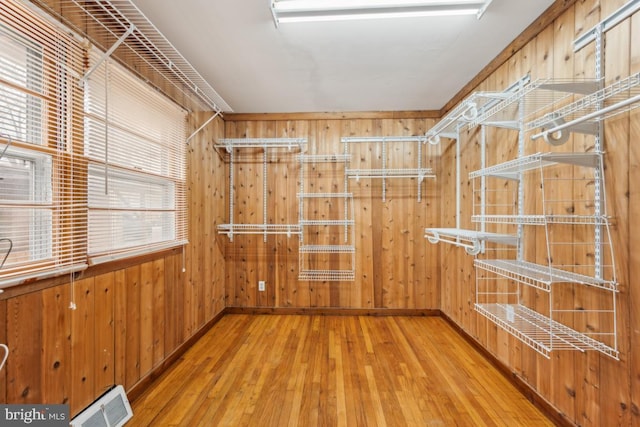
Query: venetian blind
{"x": 42, "y": 170}
{"x": 135, "y": 143}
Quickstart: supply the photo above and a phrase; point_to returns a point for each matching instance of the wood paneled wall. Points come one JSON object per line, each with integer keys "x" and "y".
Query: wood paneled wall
{"x": 130, "y": 318}
{"x": 395, "y": 267}
{"x": 588, "y": 388}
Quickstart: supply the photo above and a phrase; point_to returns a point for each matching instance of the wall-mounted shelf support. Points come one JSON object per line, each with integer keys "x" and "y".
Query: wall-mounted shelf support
{"x": 230, "y": 145}
{"x": 575, "y": 264}
{"x": 385, "y": 172}
{"x": 107, "y": 54}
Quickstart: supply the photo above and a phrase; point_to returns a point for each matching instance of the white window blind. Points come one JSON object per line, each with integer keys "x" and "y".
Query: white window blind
{"x": 135, "y": 143}
{"x": 42, "y": 170}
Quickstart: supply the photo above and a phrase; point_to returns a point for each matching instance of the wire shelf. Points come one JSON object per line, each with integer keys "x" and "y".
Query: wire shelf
{"x": 337, "y": 222}
{"x": 539, "y": 276}
{"x": 325, "y": 195}
{"x": 231, "y": 229}
{"x": 324, "y": 158}
{"x": 541, "y": 219}
{"x": 548, "y": 103}
{"x": 374, "y": 139}
{"x": 619, "y": 91}
{"x": 288, "y": 143}
{"x": 390, "y": 173}
{"x": 513, "y": 168}
{"x": 471, "y": 240}
{"x": 534, "y": 99}
{"x": 540, "y": 332}
{"x": 327, "y": 275}
{"x": 462, "y": 114}
{"x": 105, "y": 21}
{"x": 327, "y": 249}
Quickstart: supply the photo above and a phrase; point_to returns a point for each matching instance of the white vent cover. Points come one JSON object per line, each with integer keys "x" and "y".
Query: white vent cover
{"x": 111, "y": 410}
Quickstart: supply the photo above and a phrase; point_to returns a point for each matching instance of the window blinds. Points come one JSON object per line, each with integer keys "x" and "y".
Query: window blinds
{"x": 92, "y": 171}
{"x": 42, "y": 170}
{"x": 135, "y": 143}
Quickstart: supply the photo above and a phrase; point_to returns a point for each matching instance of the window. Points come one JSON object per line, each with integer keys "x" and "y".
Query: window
{"x": 135, "y": 142}
{"x": 26, "y": 218}
{"x": 21, "y": 72}
{"x": 42, "y": 173}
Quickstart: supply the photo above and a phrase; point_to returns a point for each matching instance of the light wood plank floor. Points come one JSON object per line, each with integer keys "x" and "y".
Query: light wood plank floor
{"x": 272, "y": 370}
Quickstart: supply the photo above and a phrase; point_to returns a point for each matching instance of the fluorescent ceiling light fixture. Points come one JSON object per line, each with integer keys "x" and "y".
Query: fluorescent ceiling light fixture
{"x": 338, "y": 10}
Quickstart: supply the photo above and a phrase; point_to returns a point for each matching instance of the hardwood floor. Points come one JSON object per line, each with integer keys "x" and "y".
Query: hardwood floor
{"x": 272, "y": 370}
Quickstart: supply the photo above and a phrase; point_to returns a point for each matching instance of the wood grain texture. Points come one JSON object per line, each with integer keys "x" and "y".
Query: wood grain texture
{"x": 130, "y": 316}
{"x": 634, "y": 230}
{"x": 328, "y": 370}
{"x": 395, "y": 268}
{"x": 587, "y": 388}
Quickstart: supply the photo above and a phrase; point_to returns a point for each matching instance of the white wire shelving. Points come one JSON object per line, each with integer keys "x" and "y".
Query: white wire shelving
{"x": 327, "y": 275}
{"x": 539, "y": 276}
{"x": 324, "y": 158}
{"x": 234, "y": 229}
{"x": 541, "y": 219}
{"x": 559, "y": 106}
{"x": 513, "y": 169}
{"x": 419, "y": 172}
{"x": 327, "y": 249}
{"x": 231, "y": 145}
{"x": 326, "y": 252}
{"x": 281, "y": 143}
{"x": 466, "y": 112}
{"x": 567, "y": 209}
{"x": 540, "y": 332}
{"x": 140, "y": 45}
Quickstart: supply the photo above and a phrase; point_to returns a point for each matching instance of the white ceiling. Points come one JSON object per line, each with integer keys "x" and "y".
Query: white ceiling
{"x": 375, "y": 65}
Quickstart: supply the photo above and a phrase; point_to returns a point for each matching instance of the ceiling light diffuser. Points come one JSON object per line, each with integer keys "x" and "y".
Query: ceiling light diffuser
{"x": 339, "y": 10}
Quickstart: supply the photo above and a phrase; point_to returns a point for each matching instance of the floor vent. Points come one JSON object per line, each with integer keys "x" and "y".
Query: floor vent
{"x": 111, "y": 410}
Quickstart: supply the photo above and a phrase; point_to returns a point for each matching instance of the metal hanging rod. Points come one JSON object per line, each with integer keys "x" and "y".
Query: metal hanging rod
{"x": 596, "y": 114}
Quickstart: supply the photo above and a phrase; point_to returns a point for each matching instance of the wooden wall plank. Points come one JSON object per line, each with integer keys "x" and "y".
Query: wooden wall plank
{"x": 132, "y": 316}
{"x": 82, "y": 345}
{"x": 146, "y": 317}
{"x": 120, "y": 323}
{"x": 104, "y": 326}
{"x": 158, "y": 315}
{"x": 3, "y": 340}
{"x": 24, "y": 338}
{"x": 614, "y": 377}
{"x": 559, "y": 199}
{"x": 586, "y": 365}
{"x": 56, "y": 348}
{"x": 580, "y": 385}
{"x": 387, "y": 234}
{"x": 634, "y": 231}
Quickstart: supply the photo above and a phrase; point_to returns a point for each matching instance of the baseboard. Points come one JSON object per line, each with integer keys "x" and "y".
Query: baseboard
{"x": 140, "y": 387}
{"x": 523, "y": 387}
{"x": 330, "y": 311}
